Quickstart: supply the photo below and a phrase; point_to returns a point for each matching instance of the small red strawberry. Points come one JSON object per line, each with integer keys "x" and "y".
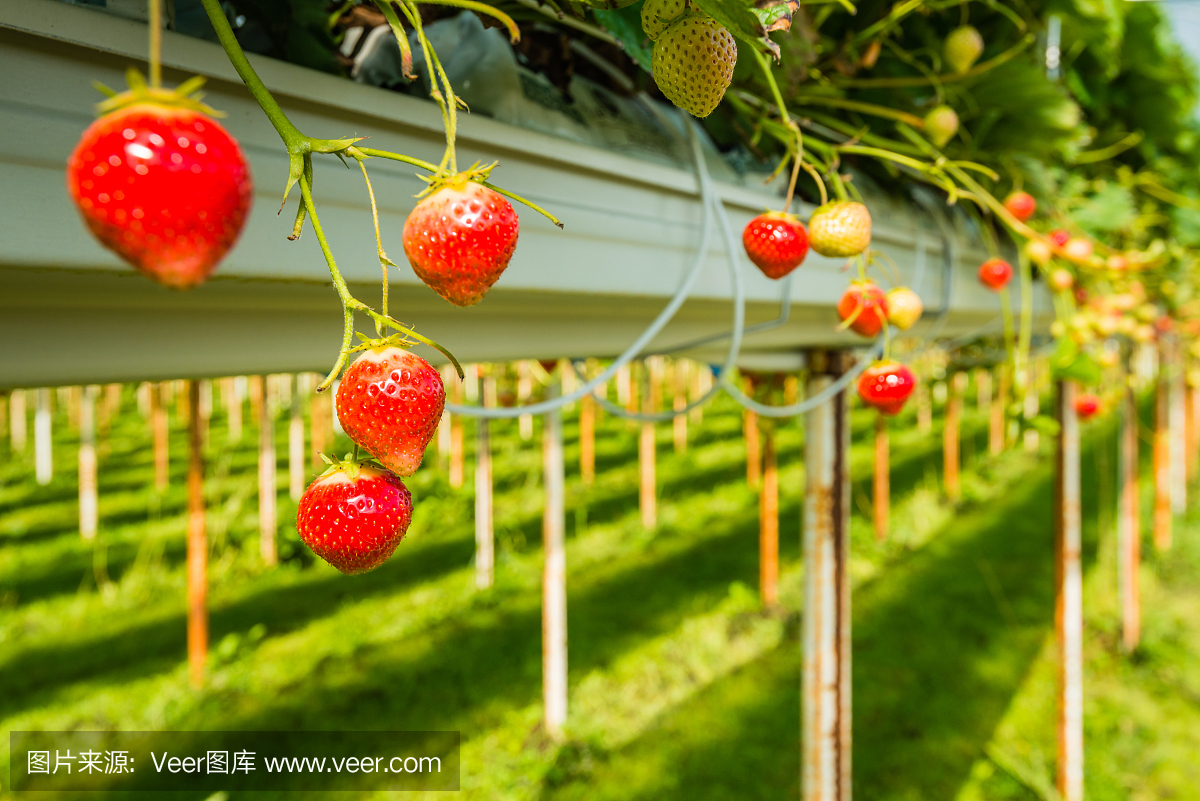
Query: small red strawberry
{"x": 1060, "y": 237}
{"x": 161, "y": 184}
{"x": 840, "y": 229}
{"x": 1020, "y": 205}
{"x": 904, "y": 307}
{"x": 1086, "y": 405}
{"x": 390, "y": 402}
{"x": 886, "y": 385}
{"x": 995, "y": 274}
{"x": 863, "y": 308}
{"x": 460, "y": 238}
{"x": 354, "y": 516}
{"x": 776, "y": 242}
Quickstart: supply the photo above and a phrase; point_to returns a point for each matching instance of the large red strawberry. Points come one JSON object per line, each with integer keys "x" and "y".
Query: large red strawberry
{"x": 776, "y": 242}
{"x": 354, "y": 516}
{"x": 1020, "y": 205}
{"x": 161, "y": 184}
{"x": 460, "y": 239}
{"x": 390, "y": 402}
{"x": 865, "y": 307}
{"x": 886, "y": 385}
{"x": 995, "y": 274}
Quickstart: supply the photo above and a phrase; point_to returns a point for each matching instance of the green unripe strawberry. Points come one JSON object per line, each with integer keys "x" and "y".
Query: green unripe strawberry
{"x": 941, "y": 124}
{"x": 962, "y": 48}
{"x": 693, "y": 63}
{"x": 840, "y": 229}
{"x": 657, "y": 14}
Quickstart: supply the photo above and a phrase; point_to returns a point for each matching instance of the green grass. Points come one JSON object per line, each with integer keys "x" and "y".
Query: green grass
{"x": 681, "y": 687}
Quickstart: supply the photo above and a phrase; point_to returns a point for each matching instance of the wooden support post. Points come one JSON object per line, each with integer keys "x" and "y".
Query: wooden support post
{"x": 296, "y": 442}
{"x": 679, "y": 430}
{"x": 88, "y": 496}
{"x": 950, "y": 443}
{"x": 319, "y": 425}
{"x": 1129, "y": 535}
{"x": 554, "y": 576}
{"x": 256, "y": 388}
{"x": 696, "y": 391}
{"x": 997, "y": 415}
{"x": 1162, "y": 459}
{"x": 162, "y": 432}
{"x": 983, "y": 392}
{"x": 1177, "y": 425}
{"x": 1069, "y": 599}
{"x": 456, "y": 436}
{"x": 753, "y": 447}
{"x": 197, "y": 550}
{"x": 883, "y": 479}
{"x": 647, "y": 453}
{"x": 524, "y": 393}
{"x": 825, "y": 698}
{"x": 43, "y": 441}
{"x": 1191, "y": 444}
{"x": 587, "y": 439}
{"x": 484, "y": 538}
{"x": 18, "y": 420}
{"x": 768, "y": 523}
{"x": 267, "y": 522}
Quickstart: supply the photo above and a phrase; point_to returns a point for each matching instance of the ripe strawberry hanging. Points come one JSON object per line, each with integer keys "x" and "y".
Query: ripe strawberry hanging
{"x": 693, "y": 62}
{"x": 160, "y": 183}
{"x": 354, "y": 516}
{"x": 1020, "y": 205}
{"x": 390, "y": 402}
{"x": 1060, "y": 237}
{"x": 460, "y": 238}
{"x": 995, "y": 274}
{"x": 886, "y": 385}
{"x": 1086, "y": 405}
{"x": 776, "y": 242}
{"x": 863, "y": 308}
{"x": 904, "y": 307}
{"x": 840, "y": 229}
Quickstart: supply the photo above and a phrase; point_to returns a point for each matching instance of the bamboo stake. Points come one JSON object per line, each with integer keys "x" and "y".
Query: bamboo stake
{"x": 554, "y": 577}
{"x": 319, "y": 424}
{"x": 197, "y": 551}
{"x": 1189, "y": 425}
{"x": 1162, "y": 459}
{"x": 768, "y": 523}
{"x": 18, "y": 421}
{"x": 159, "y": 423}
{"x": 296, "y": 443}
{"x": 1129, "y": 522}
{"x": 267, "y": 522}
{"x": 88, "y": 497}
{"x": 826, "y": 660}
{"x": 43, "y": 444}
{"x": 883, "y": 490}
{"x": 1176, "y": 423}
{"x": 524, "y": 393}
{"x": 1069, "y": 599}
{"x": 484, "y": 537}
{"x": 74, "y": 399}
{"x": 950, "y": 439}
{"x": 679, "y": 403}
{"x": 753, "y": 447}
{"x": 587, "y": 439}
{"x": 456, "y": 437}
{"x": 696, "y": 390}
{"x": 647, "y": 453}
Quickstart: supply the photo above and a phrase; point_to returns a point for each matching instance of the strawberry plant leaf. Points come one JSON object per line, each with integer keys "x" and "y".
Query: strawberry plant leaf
{"x": 740, "y": 19}
{"x": 626, "y": 25}
{"x": 775, "y": 15}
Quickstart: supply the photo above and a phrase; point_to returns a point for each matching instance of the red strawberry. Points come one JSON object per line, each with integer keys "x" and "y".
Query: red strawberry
{"x": 866, "y": 305}
{"x": 776, "y": 242}
{"x": 390, "y": 402}
{"x": 995, "y": 274}
{"x": 1086, "y": 405}
{"x": 1020, "y": 205}
{"x": 886, "y": 385}
{"x": 1059, "y": 237}
{"x": 164, "y": 187}
{"x": 460, "y": 238}
{"x": 354, "y": 516}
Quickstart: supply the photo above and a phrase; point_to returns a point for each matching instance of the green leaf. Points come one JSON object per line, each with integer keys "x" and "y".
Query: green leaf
{"x": 1110, "y": 209}
{"x": 776, "y": 15}
{"x": 1045, "y": 425}
{"x": 1069, "y": 363}
{"x": 739, "y": 18}
{"x": 626, "y": 25}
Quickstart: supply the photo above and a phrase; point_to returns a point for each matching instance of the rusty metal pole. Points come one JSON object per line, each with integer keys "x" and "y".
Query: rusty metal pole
{"x": 88, "y": 496}
{"x": 197, "y": 548}
{"x": 647, "y": 453}
{"x": 883, "y": 490}
{"x": 1069, "y": 599}
{"x": 825, "y": 677}
{"x": 1162, "y": 457}
{"x": 768, "y": 523}
{"x": 950, "y": 444}
{"x": 267, "y": 522}
{"x": 554, "y": 576}
{"x": 484, "y": 537}
{"x": 1129, "y": 535}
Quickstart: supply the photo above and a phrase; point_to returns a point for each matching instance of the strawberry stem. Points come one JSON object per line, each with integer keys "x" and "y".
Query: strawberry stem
{"x": 155, "y": 56}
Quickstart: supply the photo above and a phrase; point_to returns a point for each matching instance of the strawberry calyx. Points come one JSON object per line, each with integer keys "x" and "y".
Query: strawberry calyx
{"x": 348, "y": 465}
{"x": 477, "y": 173}
{"x": 185, "y": 96}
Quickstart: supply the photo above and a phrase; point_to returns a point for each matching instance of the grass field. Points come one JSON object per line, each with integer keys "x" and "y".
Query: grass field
{"x": 681, "y": 687}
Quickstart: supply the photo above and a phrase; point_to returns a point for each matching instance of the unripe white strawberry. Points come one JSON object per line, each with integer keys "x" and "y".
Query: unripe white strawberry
{"x": 656, "y": 14}
{"x": 962, "y": 48}
{"x": 941, "y": 124}
{"x": 840, "y": 229}
{"x": 693, "y": 63}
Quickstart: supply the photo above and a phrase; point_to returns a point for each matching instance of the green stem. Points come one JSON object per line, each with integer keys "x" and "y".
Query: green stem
{"x": 339, "y": 284}
{"x": 155, "y": 56}
{"x": 384, "y": 154}
{"x": 384, "y": 261}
